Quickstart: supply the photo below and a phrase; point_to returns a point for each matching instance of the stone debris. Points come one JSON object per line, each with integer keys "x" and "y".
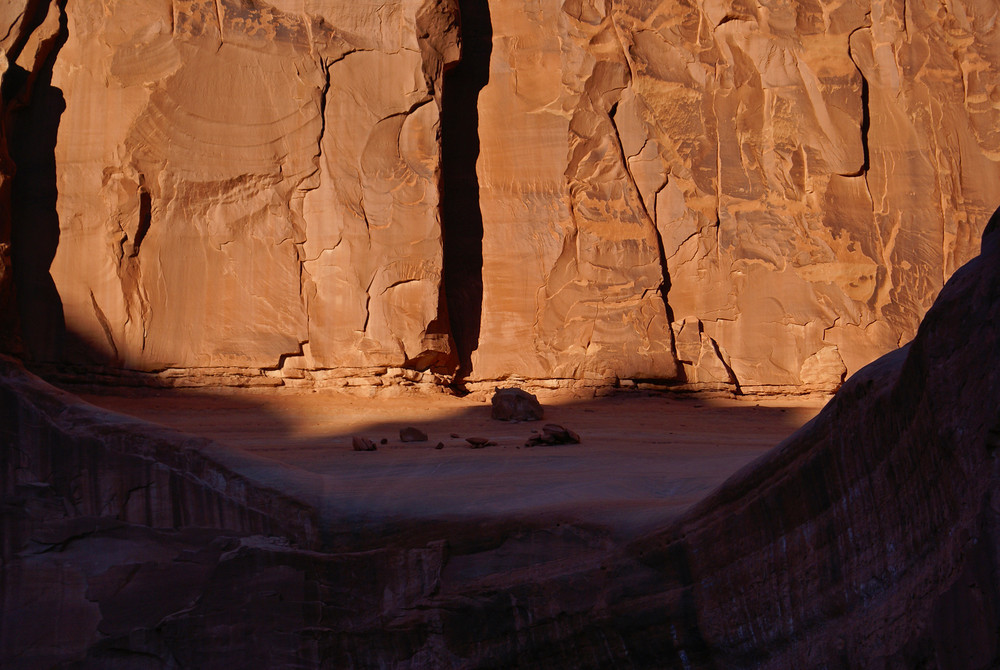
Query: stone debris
{"x": 552, "y": 434}
{"x": 480, "y": 442}
{"x": 440, "y": 445}
{"x": 362, "y": 444}
{"x": 513, "y": 404}
{"x": 411, "y": 434}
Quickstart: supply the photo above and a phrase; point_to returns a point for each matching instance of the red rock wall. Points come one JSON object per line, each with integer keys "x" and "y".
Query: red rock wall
{"x": 728, "y": 194}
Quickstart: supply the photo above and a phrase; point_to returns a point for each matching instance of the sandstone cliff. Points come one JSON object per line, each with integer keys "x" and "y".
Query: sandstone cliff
{"x": 725, "y": 193}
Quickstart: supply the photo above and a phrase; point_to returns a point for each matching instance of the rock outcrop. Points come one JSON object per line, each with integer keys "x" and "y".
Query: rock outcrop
{"x": 870, "y": 538}
{"x": 727, "y": 194}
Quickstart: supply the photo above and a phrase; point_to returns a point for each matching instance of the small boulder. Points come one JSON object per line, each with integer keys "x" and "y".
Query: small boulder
{"x": 440, "y": 445}
{"x": 362, "y": 444}
{"x": 553, "y": 433}
{"x": 515, "y": 405}
{"x": 411, "y": 434}
{"x": 479, "y": 442}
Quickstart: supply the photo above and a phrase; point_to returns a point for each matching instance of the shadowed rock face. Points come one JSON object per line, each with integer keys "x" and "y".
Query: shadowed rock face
{"x": 870, "y": 538}
{"x": 723, "y": 194}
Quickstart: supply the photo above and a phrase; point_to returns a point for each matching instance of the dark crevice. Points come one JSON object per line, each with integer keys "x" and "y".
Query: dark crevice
{"x": 34, "y": 109}
{"x": 461, "y": 216}
{"x": 866, "y": 122}
{"x": 105, "y": 324}
{"x": 145, "y": 217}
{"x": 866, "y": 119}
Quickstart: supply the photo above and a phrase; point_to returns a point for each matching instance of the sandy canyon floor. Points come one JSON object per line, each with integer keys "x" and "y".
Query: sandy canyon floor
{"x": 643, "y": 459}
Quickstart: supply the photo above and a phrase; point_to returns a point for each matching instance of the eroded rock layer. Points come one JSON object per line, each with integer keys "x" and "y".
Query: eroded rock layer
{"x": 727, "y": 194}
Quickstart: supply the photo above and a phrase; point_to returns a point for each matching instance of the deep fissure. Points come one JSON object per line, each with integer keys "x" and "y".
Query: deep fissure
{"x": 34, "y": 108}
{"x": 461, "y": 215}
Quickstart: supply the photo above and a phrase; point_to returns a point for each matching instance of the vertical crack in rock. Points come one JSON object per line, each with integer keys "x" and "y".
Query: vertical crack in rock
{"x": 665, "y": 285}
{"x": 145, "y": 214}
{"x": 733, "y": 379}
{"x": 882, "y": 273}
{"x": 105, "y": 325}
{"x": 129, "y": 267}
{"x": 461, "y": 215}
{"x": 307, "y": 286}
{"x": 33, "y": 109}
{"x": 866, "y": 124}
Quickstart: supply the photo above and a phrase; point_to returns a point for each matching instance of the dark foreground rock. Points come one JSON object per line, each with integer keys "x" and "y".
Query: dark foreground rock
{"x": 411, "y": 434}
{"x": 516, "y": 405}
{"x": 359, "y": 443}
{"x": 869, "y": 539}
{"x": 552, "y": 434}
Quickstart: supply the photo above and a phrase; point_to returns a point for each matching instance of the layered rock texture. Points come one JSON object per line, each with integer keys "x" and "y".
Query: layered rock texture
{"x": 728, "y": 194}
{"x": 870, "y": 538}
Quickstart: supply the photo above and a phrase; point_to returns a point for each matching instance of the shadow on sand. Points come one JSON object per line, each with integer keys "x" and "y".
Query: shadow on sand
{"x": 644, "y": 457}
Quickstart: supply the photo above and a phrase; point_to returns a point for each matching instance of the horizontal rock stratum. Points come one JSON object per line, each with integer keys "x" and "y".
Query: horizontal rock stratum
{"x": 759, "y": 195}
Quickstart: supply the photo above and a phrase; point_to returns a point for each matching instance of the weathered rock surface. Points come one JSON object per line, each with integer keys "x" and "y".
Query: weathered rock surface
{"x": 869, "y": 539}
{"x": 513, "y": 404}
{"x": 411, "y": 434}
{"x": 359, "y": 443}
{"x": 723, "y": 194}
{"x": 801, "y": 168}
{"x": 552, "y": 434}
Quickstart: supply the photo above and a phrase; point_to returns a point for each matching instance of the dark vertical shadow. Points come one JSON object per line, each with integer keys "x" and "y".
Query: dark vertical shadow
{"x": 461, "y": 216}
{"x": 34, "y": 111}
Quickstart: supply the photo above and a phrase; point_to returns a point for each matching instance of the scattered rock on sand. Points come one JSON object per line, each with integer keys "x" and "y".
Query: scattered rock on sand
{"x": 440, "y": 445}
{"x": 479, "y": 442}
{"x": 411, "y": 434}
{"x": 515, "y": 405}
{"x": 362, "y": 444}
{"x": 553, "y": 433}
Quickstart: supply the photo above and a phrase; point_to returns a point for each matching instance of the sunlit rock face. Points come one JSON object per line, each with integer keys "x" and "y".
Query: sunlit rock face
{"x": 239, "y": 180}
{"x": 810, "y": 173}
{"x": 754, "y": 195}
